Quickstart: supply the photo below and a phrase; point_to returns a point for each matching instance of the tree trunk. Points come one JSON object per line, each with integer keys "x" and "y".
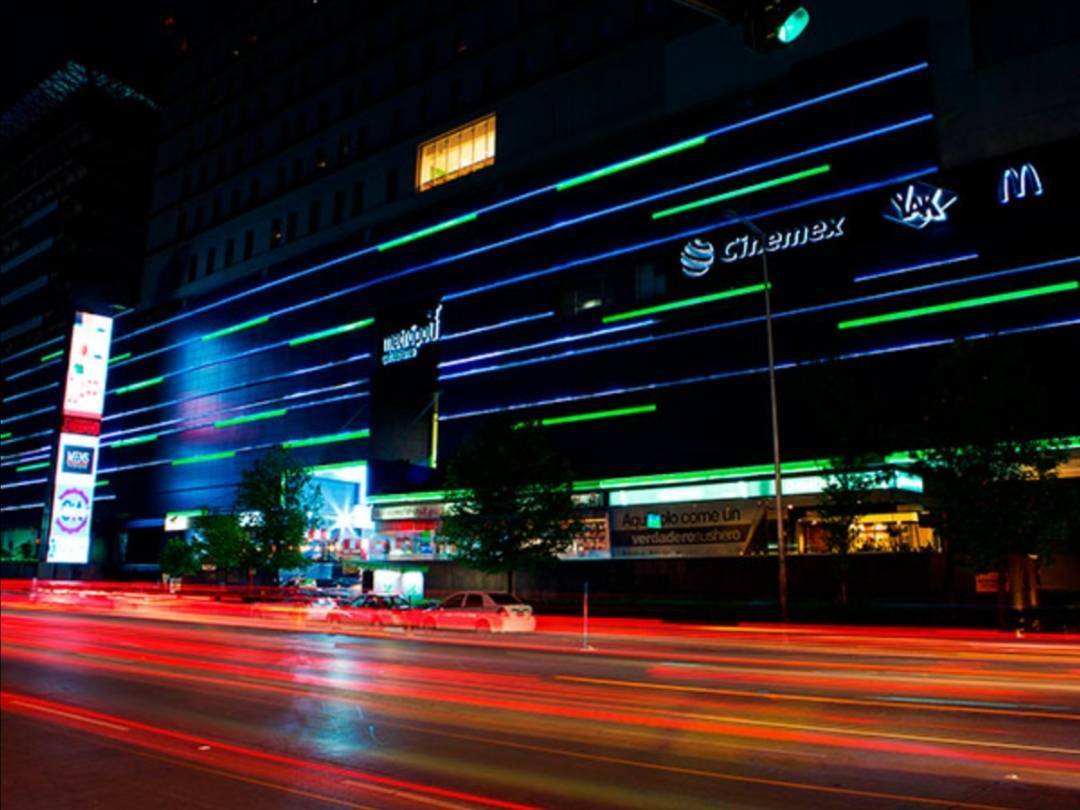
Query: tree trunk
{"x": 1003, "y": 578}
{"x": 510, "y": 580}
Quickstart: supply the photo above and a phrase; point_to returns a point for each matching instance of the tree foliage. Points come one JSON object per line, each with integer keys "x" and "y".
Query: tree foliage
{"x": 509, "y": 504}
{"x": 992, "y": 473}
{"x": 277, "y": 494}
{"x": 178, "y": 558}
{"x": 275, "y": 505}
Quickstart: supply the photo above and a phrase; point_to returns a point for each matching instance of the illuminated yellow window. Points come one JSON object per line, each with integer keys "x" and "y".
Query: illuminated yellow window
{"x": 456, "y": 153}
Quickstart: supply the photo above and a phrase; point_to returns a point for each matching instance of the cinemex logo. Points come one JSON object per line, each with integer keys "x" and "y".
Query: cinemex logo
{"x": 745, "y": 247}
{"x": 78, "y": 459}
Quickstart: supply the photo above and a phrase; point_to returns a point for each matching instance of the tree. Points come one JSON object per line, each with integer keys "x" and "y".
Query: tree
{"x": 178, "y": 558}
{"x": 278, "y": 504}
{"x": 274, "y": 507}
{"x": 224, "y": 543}
{"x": 845, "y": 496}
{"x": 1000, "y": 505}
{"x": 509, "y": 504}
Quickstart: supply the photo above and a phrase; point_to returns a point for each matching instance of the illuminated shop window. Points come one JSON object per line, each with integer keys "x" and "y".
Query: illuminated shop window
{"x": 456, "y": 153}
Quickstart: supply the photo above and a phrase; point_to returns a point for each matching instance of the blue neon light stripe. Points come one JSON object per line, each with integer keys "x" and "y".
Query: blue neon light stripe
{"x": 32, "y": 350}
{"x": 911, "y": 268}
{"x": 251, "y": 383}
{"x": 31, "y": 392}
{"x": 565, "y": 224}
{"x": 722, "y": 375}
{"x": 633, "y": 248}
{"x": 806, "y": 103}
{"x": 698, "y": 330}
{"x": 552, "y": 342}
{"x": 206, "y": 422}
{"x": 28, "y": 414}
{"x": 500, "y": 325}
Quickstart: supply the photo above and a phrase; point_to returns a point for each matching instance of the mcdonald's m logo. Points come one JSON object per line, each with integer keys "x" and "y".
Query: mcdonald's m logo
{"x": 1016, "y": 184}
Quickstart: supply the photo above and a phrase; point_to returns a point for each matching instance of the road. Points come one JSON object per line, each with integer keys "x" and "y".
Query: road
{"x": 112, "y": 710}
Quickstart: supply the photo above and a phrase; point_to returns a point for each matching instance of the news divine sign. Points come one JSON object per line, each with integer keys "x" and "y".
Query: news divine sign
{"x": 747, "y": 246}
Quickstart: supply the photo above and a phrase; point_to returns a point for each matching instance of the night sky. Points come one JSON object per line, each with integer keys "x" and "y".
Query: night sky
{"x": 125, "y": 38}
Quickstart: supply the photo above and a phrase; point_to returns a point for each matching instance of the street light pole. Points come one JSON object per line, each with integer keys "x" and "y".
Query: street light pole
{"x": 781, "y": 548}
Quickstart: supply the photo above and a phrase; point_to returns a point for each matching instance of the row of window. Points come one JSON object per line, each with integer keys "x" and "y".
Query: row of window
{"x": 439, "y": 160}
{"x": 345, "y": 203}
{"x": 441, "y": 98}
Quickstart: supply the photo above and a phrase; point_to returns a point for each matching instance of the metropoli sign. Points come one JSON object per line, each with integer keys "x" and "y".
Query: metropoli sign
{"x": 406, "y": 343}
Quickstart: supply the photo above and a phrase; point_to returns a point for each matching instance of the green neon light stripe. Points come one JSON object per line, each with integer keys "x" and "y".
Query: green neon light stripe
{"x": 686, "y": 302}
{"x": 6, "y": 436}
{"x": 239, "y": 327}
{"x": 45, "y": 358}
{"x": 336, "y": 330}
{"x": 27, "y": 467}
{"x": 150, "y": 437}
{"x": 412, "y": 237}
{"x": 178, "y": 462}
{"x": 340, "y": 465}
{"x": 740, "y": 192}
{"x": 335, "y": 437}
{"x": 588, "y": 177}
{"x": 185, "y": 513}
{"x": 103, "y": 483}
{"x": 136, "y": 386}
{"x": 592, "y": 416}
{"x": 120, "y": 357}
{"x": 967, "y": 303}
{"x": 251, "y": 417}
{"x": 816, "y": 465}
{"x": 408, "y": 497}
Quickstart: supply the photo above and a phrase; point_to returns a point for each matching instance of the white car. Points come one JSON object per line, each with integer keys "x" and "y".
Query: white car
{"x": 481, "y": 611}
{"x": 374, "y": 611}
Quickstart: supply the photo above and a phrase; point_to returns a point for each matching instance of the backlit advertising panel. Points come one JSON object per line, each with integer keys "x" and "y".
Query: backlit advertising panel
{"x": 73, "y": 499}
{"x": 88, "y": 365}
{"x": 77, "y": 450}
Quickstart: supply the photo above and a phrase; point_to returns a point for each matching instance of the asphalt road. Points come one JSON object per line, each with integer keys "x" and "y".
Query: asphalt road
{"x": 116, "y": 711}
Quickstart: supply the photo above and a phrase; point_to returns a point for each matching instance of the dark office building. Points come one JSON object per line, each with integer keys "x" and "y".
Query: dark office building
{"x": 76, "y": 156}
{"x": 375, "y": 226}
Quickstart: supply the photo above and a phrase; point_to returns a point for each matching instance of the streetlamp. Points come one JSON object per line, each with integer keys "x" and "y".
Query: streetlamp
{"x": 781, "y": 549}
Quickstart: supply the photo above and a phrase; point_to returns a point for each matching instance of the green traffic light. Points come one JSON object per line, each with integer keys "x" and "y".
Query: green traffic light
{"x": 791, "y": 28}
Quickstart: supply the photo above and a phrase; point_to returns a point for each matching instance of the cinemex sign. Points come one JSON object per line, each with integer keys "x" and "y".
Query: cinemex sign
{"x": 697, "y": 256}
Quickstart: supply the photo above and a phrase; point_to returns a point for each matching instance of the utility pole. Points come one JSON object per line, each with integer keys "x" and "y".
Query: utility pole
{"x": 781, "y": 548}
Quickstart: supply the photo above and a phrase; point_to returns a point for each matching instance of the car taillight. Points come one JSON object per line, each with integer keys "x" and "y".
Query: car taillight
{"x": 503, "y": 612}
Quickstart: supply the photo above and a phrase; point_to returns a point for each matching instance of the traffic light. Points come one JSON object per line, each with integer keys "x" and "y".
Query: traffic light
{"x": 775, "y": 24}
{"x": 767, "y": 24}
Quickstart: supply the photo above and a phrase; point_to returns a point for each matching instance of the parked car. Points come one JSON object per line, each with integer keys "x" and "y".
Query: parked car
{"x": 481, "y": 611}
{"x": 373, "y": 610}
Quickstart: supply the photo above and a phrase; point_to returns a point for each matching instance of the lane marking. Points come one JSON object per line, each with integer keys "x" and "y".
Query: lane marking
{"x": 881, "y": 703}
{"x": 70, "y": 716}
{"x": 717, "y": 775}
{"x": 398, "y": 794}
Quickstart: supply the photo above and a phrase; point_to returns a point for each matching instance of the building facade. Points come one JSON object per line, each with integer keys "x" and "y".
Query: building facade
{"x": 372, "y": 230}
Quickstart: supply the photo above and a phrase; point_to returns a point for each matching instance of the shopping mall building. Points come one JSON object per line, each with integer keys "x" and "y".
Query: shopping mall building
{"x": 613, "y": 292}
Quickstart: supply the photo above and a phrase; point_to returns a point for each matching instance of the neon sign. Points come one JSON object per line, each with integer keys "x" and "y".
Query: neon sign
{"x": 919, "y": 205}
{"x": 747, "y": 246}
{"x": 1016, "y": 184}
{"x": 406, "y": 343}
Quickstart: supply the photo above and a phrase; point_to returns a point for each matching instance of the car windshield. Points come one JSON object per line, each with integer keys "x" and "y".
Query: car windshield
{"x": 505, "y": 599}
